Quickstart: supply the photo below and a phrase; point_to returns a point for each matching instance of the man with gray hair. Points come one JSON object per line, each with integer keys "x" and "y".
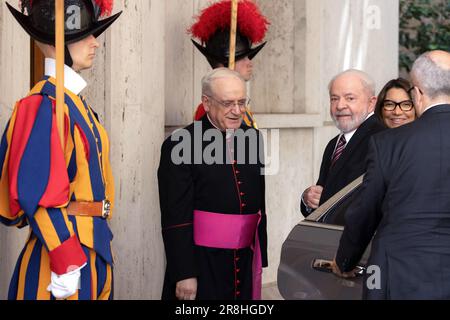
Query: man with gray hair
{"x": 405, "y": 197}
{"x": 213, "y": 200}
{"x": 352, "y": 102}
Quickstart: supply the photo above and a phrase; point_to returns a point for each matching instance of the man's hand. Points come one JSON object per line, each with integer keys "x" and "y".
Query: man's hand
{"x": 186, "y": 289}
{"x": 311, "y": 196}
{"x": 338, "y": 272}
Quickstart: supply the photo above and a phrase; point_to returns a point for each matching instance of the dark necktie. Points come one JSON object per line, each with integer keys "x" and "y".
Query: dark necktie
{"x": 339, "y": 149}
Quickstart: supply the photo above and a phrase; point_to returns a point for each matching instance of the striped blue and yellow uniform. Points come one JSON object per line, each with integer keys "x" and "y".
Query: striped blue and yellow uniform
{"x": 39, "y": 179}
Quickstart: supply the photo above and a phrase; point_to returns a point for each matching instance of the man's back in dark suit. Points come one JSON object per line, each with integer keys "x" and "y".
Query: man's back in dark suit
{"x": 351, "y": 102}
{"x": 405, "y": 197}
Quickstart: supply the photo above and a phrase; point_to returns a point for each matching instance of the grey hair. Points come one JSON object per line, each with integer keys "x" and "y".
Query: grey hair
{"x": 433, "y": 80}
{"x": 215, "y": 74}
{"x": 366, "y": 80}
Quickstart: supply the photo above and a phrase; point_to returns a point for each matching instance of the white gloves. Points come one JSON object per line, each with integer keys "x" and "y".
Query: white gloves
{"x": 65, "y": 285}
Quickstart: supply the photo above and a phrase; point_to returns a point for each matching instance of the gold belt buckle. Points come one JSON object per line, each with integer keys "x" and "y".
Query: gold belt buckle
{"x": 106, "y": 210}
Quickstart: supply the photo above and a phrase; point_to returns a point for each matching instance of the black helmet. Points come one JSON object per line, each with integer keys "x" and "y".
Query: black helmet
{"x": 81, "y": 19}
{"x": 217, "y": 48}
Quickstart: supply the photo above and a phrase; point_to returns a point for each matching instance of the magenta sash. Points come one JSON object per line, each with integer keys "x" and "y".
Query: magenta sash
{"x": 231, "y": 231}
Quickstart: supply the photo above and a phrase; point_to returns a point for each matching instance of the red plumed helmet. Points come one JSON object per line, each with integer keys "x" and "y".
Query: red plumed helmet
{"x": 251, "y": 23}
{"x": 212, "y": 28}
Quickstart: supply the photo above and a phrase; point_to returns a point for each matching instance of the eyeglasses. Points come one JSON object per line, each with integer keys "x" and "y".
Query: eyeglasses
{"x": 242, "y": 103}
{"x": 390, "y": 105}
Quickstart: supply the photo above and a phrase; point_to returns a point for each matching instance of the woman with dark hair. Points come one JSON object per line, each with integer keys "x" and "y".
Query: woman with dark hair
{"x": 395, "y": 106}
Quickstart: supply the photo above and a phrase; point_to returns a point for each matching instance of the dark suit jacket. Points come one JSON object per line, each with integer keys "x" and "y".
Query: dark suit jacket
{"x": 405, "y": 197}
{"x": 349, "y": 166}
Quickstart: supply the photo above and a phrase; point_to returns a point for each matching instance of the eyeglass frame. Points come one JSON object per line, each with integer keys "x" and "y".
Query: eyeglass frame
{"x": 399, "y": 104}
{"x": 235, "y": 102}
{"x": 410, "y": 90}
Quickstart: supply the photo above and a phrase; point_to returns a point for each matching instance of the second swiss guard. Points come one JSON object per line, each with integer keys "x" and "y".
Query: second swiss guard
{"x": 212, "y": 29}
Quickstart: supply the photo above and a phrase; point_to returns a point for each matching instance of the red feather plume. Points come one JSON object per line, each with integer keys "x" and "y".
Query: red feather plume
{"x": 106, "y": 6}
{"x": 251, "y": 23}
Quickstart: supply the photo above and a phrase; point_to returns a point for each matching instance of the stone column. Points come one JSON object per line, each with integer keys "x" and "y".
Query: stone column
{"x": 14, "y": 84}
{"x": 349, "y": 34}
{"x": 134, "y": 117}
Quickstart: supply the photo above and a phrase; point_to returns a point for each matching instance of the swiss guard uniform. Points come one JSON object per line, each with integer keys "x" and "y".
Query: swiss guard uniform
{"x": 213, "y": 216}
{"x": 65, "y": 195}
{"x": 213, "y": 29}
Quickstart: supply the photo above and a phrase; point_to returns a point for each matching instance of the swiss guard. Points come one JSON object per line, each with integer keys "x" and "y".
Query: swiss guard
{"x": 212, "y": 28}
{"x": 56, "y": 178}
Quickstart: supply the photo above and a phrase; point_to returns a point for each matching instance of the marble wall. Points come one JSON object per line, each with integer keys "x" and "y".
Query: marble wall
{"x": 14, "y": 83}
